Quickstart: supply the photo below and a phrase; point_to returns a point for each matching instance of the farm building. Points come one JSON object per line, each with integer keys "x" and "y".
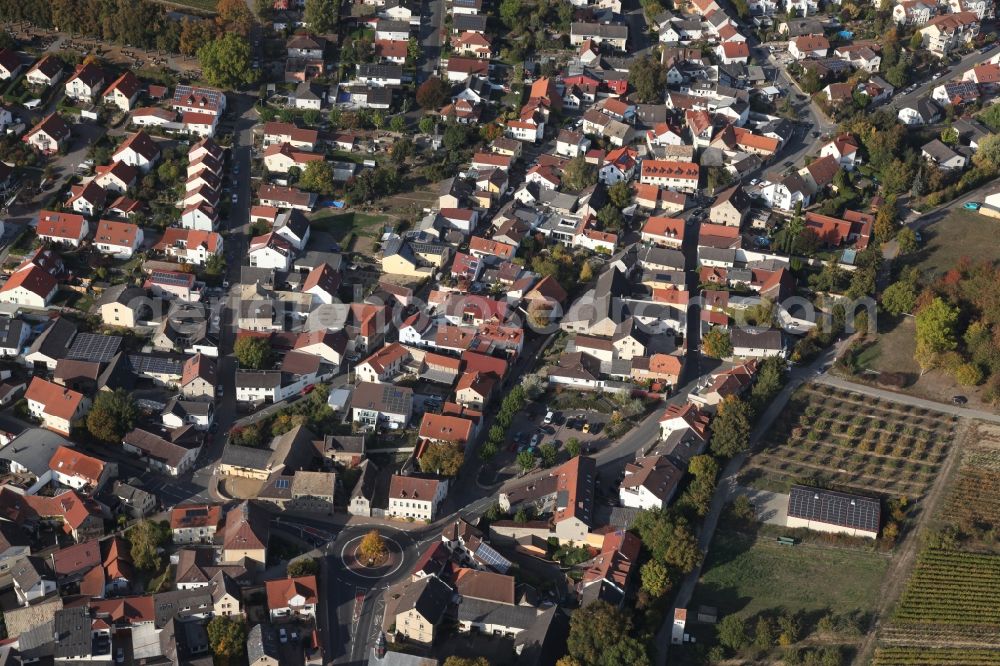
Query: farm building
{"x": 830, "y": 511}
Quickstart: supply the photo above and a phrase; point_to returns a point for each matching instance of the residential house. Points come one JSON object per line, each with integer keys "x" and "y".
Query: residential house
{"x": 292, "y": 598}
{"x": 49, "y": 135}
{"x": 85, "y": 83}
{"x": 123, "y": 92}
{"x": 415, "y": 497}
{"x": 55, "y": 406}
{"x": 46, "y": 72}
{"x": 139, "y": 150}
{"x": 119, "y": 239}
{"x": 62, "y": 228}
{"x": 382, "y": 404}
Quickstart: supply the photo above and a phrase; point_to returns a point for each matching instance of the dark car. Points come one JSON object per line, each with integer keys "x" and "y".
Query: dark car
{"x": 959, "y": 399}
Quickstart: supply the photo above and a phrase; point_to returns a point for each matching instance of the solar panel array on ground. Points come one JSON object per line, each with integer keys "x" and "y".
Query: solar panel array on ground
{"x": 834, "y": 508}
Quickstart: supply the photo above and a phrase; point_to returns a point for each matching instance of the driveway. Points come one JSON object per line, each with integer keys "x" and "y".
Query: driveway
{"x": 771, "y": 508}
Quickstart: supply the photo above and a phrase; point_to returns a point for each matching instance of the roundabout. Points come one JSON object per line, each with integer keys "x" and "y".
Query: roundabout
{"x": 355, "y": 563}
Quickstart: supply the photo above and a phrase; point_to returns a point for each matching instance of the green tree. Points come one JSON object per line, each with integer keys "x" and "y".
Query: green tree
{"x": 432, "y": 94}
{"x": 397, "y": 124}
{"x": 620, "y": 195}
{"x": 511, "y": 13}
{"x": 318, "y": 177}
{"x": 770, "y": 379}
{"x": 916, "y": 41}
{"x": 732, "y": 632}
{"x": 466, "y": 661}
{"x": 655, "y": 578}
{"x": 599, "y": 635}
{"x": 215, "y": 265}
{"x": 321, "y": 15}
{"x": 455, "y": 137}
{"x": 573, "y": 447}
{"x": 731, "y": 428}
{"x": 225, "y": 62}
{"x": 548, "y": 453}
{"x": 610, "y": 217}
{"x": 147, "y": 538}
{"x": 489, "y": 450}
{"x": 526, "y": 460}
{"x": 703, "y": 467}
{"x": 578, "y": 174}
{"x": 936, "y": 331}
{"x": 413, "y": 50}
{"x": 227, "y": 637}
{"x": 907, "y": 240}
{"x": 263, "y": 9}
{"x": 586, "y": 272}
{"x": 252, "y": 353}
{"x": 764, "y": 634}
{"x": 426, "y": 125}
{"x": 305, "y": 566}
{"x": 444, "y": 458}
{"x": 987, "y": 155}
{"x": 649, "y": 79}
{"x": 716, "y": 343}
{"x": 112, "y": 415}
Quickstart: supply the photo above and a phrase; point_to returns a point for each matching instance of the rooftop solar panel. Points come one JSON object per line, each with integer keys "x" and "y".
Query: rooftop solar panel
{"x": 492, "y": 558}
{"x": 94, "y": 347}
{"x": 176, "y": 279}
{"x": 834, "y": 508}
{"x": 155, "y": 365}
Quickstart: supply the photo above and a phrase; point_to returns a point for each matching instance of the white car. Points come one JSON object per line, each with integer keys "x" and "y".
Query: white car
{"x": 548, "y": 417}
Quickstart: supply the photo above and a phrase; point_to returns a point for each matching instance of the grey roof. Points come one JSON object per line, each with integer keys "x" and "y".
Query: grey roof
{"x": 36, "y": 642}
{"x": 121, "y": 293}
{"x": 72, "y": 633}
{"x": 604, "y": 30}
{"x": 365, "y": 486}
{"x": 469, "y": 22}
{"x": 55, "y": 340}
{"x": 258, "y": 378}
{"x": 11, "y": 331}
{"x": 756, "y": 338}
{"x": 726, "y": 255}
{"x": 181, "y": 604}
{"x": 129, "y": 494}
{"x": 938, "y": 151}
{"x": 245, "y": 456}
{"x": 380, "y": 70}
{"x": 429, "y": 596}
{"x": 33, "y": 449}
{"x": 662, "y": 256}
{"x": 261, "y": 642}
{"x": 118, "y": 373}
{"x": 491, "y": 612}
{"x": 29, "y": 572}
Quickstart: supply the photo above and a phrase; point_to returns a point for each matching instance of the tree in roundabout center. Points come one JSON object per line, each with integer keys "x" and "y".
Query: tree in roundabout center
{"x": 373, "y": 550}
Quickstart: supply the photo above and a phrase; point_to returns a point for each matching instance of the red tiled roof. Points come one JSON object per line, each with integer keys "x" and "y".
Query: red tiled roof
{"x": 58, "y": 401}
{"x": 73, "y": 463}
{"x": 281, "y": 592}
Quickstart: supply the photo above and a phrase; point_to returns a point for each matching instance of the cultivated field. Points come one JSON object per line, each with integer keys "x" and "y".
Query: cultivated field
{"x": 951, "y": 602}
{"x": 847, "y": 441}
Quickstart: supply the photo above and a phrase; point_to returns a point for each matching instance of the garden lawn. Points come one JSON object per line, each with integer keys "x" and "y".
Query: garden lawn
{"x": 747, "y": 575}
{"x": 962, "y": 233}
{"x": 340, "y": 225}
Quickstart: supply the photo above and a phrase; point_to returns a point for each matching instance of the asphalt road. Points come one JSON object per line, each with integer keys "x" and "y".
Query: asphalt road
{"x": 955, "y": 73}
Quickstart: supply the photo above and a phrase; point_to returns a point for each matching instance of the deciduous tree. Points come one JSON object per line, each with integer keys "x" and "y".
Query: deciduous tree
{"x": 373, "y": 548}
{"x": 655, "y": 578}
{"x": 227, "y": 636}
{"x": 146, "y": 539}
{"x": 716, "y": 343}
{"x": 444, "y": 458}
{"x": 596, "y": 634}
{"x": 432, "y": 94}
{"x": 318, "y": 177}
{"x": 578, "y": 174}
{"x": 321, "y": 15}
{"x": 304, "y": 566}
{"x": 252, "y": 353}
{"x": 225, "y": 62}
{"x": 936, "y": 331}
{"x": 112, "y": 415}
{"x": 649, "y": 79}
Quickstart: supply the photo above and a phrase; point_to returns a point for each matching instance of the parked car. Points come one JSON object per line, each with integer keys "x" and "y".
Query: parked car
{"x": 535, "y": 439}
{"x": 959, "y": 399}
{"x": 971, "y": 205}
{"x": 283, "y": 635}
{"x": 586, "y": 427}
{"x": 548, "y": 417}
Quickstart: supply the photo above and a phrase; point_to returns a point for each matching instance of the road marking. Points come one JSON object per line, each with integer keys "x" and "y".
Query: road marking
{"x": 402, "y": 558}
